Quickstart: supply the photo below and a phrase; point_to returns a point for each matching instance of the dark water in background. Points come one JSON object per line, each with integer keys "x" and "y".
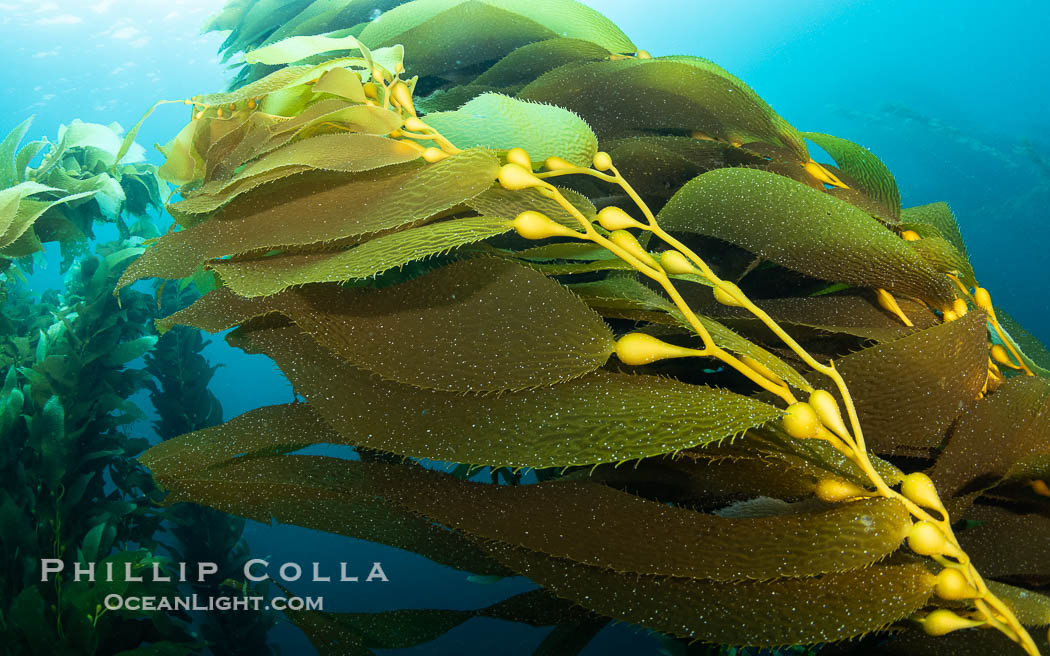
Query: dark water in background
{"x": 952, "y": 96}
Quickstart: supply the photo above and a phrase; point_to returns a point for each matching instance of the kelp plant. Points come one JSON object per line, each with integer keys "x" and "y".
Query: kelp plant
{"x": 451, "y": 286}
{"x": 72, "y": 489}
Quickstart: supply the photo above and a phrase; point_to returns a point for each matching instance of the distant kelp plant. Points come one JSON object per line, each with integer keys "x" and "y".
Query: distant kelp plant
{"x": 451, "y": 287}
{"x": 83, "y": 178}
{"x": 71, "y": 487}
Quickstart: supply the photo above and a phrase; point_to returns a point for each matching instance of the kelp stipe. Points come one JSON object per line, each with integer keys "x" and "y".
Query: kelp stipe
{"x": 687, "y": 196}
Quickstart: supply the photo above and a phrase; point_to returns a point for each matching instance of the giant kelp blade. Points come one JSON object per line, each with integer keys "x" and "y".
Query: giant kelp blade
{"x": 705, "y": 483}
{"x": 935, "y": 373}
{"x": 18, "y": 212}
{"x": 479, "y": 325}
{"x": 533, "y": 60}
{"x": 500, "y": 123}
{"x": 266, "y": 431}
{"x": 595, "y": 525}
{"x": 804, "y": 230}
{"x": 617, "y": 531}
{"x": 326, "y": 15}
{"x": 938, "y": 216}
{"x": 868, "y": 170}
{"x": 9, "y": 175}
{"x": 327, "y": 635}
{"x": 401, "y": 629}
{"x": 283, "y": 78}
{"x": 295, "y": 48}
{"x": 971, "y": 642}
{"x": 326, "y": 208}
{"x": 850, "y": 314}
{"x": 506, "y": 204}
{"x": 251, "y": 22}
{"x": 664, "y": 95}
{"x": 1033, "y": 351}
{"x": 262, "y": 276}
{"x": 943, "y": 256}
{"x": 660, "y": 165}
{"x": 600, "y": 417}
{"x": 317, "y": 492}
{"x": 994, "y": 434}
{"x": 1031, "y": 608}
{"x": 622, "y": 292}
{"x": 349, "y": 153}
{"x": 1007, "y": 544}
{"x": 436, "y": 31}
{"x": 827, "y": 608}
{"x": 213, "y": 152}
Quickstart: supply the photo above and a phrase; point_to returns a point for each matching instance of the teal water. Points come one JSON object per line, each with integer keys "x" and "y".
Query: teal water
{"x": 951, "y": 96}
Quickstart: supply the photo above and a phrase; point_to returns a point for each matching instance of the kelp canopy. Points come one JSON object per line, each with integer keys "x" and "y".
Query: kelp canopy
{"x": 452, "y": 285}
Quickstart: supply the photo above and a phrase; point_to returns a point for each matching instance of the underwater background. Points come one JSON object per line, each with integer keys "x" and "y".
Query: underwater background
{"x": 951, "y": 96}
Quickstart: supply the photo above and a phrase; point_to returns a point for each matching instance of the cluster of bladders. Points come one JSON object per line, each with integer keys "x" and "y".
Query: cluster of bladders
{"x": 818, "y": 417}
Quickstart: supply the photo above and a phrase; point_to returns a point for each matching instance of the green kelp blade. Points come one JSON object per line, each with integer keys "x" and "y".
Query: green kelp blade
{"x": 622, "y": 292}
{"x": 601, "y": 417}
{"x": 570, "y": 268}
{"x": 859, "y": 163}
{"x": 940, "y": 217}
{"x": 586, "y": 251}
{"x": 850, "y": 314}
{"x": 991, "y": 436}
{"x": 706, "y": 482}
{"x": 935, "y": 373}
{"x": 344, "y": 16}
{"x": 279, "y": 80}
{"x": 9, "y": 173}
{"x": 972, "y": 642}
{"x": 1008, "y": 545}
{"x": 1031, "y": 608}
{"x": 224, "y": 153}
{"x": 1032, "y": 467}
{"x": 507, "y": 204}
{"x": 342, "y": 83}
{"x": 480, "y": 325}
{"x": 616, "y": 531}
{"x": 18, "y": 213}
{"x": 319, "y": 492}
{"x": 501, "y": 123}
{"x": 592, "y": 524}
{"x": 1033, "y": 351}
{"x": 401, "y": 629}
{"x": 528, "y": 62}
{"x": 814, "y": 457}
{"x": 349, "y": 153}
{"x": 328, "y": 637}
{"x": 266, "y": 431}
{"x": 211, "y": 150}
{"x": 251, "y": 22}
{"x": 942, "y": 255}
{"x": 319, "y": 209}
{"x": 292, "y": 49}
{"x": 445, "y": 35}
{"x": 827, "y": 608}
{"x": 659, "y": 166}
{"x": 664, "y": 95}
{"x": 269, "y": 275}
{"x": 11, "y": 198}
{"x": 804, "y": 230}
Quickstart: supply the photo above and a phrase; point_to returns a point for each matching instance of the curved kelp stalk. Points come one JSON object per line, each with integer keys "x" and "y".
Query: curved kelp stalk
{"x": 451, "y": 286}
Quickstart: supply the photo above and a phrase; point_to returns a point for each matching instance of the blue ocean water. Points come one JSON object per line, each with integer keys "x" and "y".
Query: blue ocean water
{"x": 951, "y": 96}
